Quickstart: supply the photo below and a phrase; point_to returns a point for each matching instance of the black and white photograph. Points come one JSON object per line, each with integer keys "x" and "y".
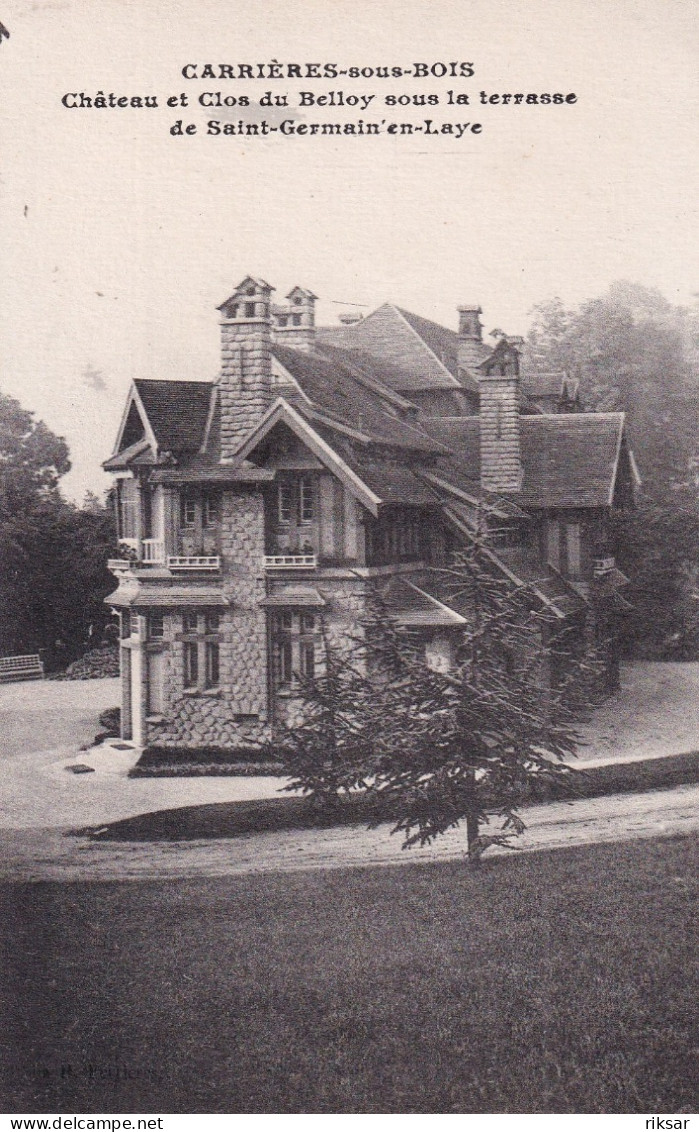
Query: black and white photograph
{"x": 349, "y": 588}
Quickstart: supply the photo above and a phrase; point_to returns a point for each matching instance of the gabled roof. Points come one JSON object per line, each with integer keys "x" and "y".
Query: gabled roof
{"x": 281, "y": 411}
{"x": 302, "y": 291}
{"x": 391, "y": 482}
{"x": 259, "y": 284}
{"x": 569, "y": 460}
{"x": 138, "y": 451}
{"x": 421, "y": 354}
{"x": 342, "y": 396}
{"x": 177, "y": 412}
{"x": 374, "y": 373}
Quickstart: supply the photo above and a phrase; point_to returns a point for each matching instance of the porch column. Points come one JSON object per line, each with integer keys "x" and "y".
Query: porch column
{"x": 139, "y": 676}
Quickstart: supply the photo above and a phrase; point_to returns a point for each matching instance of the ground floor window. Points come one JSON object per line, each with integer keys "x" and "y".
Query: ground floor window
{"x": 212, "y": 663}
{"x": 201, "y": 649}
{"x": 191, "y": 664}
{"x": 295, "y": 636}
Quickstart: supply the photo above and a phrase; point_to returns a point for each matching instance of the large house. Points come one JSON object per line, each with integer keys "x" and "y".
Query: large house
{"x": 258, "y": 507}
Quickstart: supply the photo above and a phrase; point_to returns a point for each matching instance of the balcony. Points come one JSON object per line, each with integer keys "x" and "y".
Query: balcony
{"x": 153, "y": 552}
{"x": 207, "y": 562}
{"x": 291, "y": 561}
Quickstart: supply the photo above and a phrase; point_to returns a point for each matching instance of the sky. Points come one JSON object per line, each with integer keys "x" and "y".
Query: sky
{"x": 119, "y": 240}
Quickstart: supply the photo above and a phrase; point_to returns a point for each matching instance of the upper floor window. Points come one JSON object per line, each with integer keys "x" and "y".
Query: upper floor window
{"x": 296, "y": 500}
{"x": 188, "y": 511}
{"x": 200, "y": 510}
{"x": 285, "y": 499}
{"x": 128, "y": 509}
{"x": 210, "y": 510}
{"x": 306, "y": 500}
{"x": 156, "y": 626}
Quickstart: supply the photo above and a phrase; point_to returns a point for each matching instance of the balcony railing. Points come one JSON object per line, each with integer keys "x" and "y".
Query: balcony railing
{"x": 153, "y": 554}
{"x": 153, "y": 551}
{"x": 290, "y": 561}
{"x": 194, "y": 562}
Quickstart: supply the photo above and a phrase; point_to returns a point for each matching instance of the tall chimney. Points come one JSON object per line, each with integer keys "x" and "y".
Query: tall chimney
{"x": 245, "y": 385}
{"x": 501, "y": 456}
{"x": 295, "y": 323}
{"x": 470, "y": 347}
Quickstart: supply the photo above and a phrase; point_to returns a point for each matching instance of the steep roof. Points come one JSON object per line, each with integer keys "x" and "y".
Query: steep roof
{"x": 569, "y": 460}
{"x": 412, "y": 348}
{"x": 420, "y": 354}
{"x": 177, "y": 411}
{"x": 391, "y": 482}
{"x": 343, "y": 398}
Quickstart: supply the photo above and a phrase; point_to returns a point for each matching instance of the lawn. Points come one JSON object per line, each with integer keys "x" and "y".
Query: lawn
{"x": 548, "y": 982}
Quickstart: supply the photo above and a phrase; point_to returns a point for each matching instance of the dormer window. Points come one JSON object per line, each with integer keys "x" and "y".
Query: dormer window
{"x": 249, "y": 310}
{"x": 282, "y": 320}
{"x": 296, "y": 319}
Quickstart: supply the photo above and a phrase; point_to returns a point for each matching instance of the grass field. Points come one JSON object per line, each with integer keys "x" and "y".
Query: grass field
{"x": 552, "y": 982}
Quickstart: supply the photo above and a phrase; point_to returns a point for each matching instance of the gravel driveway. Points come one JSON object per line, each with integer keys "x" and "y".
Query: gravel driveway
{"x": 44, "y": 723}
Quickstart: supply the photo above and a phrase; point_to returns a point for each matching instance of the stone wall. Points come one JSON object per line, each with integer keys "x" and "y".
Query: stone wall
{"x": 345, "y": 603}
{"x": 501, "y": 464}
{"x": 246, "y": 379}
{"x": 235, "y": 714}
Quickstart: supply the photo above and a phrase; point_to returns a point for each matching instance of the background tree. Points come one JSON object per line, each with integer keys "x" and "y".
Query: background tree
{"x": 434, "y": 748}
{"x": 632, "y": 350}
{"x": 32, "y": 459}
{"x": 53, "y": 554}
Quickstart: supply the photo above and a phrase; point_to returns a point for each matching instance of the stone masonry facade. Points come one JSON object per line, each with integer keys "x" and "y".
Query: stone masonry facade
{"x": 246, "y": 380}
{"x": 236, "y": 712}
{"x": 501, "y": 466}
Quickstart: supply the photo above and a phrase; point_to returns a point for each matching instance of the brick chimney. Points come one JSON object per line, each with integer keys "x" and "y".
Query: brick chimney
{"x": 501, "y": 456}
{"x": 294, "y": 324}
{"x": 245, "y": 384}
{"x": 470, "y": 347}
